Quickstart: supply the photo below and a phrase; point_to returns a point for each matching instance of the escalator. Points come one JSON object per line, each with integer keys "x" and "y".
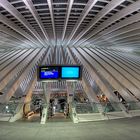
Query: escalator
{"x": 58, "y": 111}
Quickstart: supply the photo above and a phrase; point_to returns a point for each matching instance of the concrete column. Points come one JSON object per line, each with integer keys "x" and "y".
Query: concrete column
{"x": 47, "y": 93}
{"x": 70, "y": 91}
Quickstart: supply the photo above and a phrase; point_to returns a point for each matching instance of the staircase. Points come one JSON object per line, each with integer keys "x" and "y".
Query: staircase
{"x": 59, "y": 117}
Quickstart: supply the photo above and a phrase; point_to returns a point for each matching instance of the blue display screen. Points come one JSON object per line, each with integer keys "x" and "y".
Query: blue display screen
{"x": 70, "y": 72}
{"x": 59, "y": 72}
{"x": 49, "y": 73}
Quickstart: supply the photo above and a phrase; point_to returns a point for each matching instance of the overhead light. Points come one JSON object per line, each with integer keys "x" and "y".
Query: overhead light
{"x": 6, "y": 107}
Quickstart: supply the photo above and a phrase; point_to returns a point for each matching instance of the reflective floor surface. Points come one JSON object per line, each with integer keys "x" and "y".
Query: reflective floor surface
{"x": 121, "y": 129}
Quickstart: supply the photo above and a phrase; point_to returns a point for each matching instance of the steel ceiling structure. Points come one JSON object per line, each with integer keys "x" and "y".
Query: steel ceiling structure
{"x": 42, "y": 23}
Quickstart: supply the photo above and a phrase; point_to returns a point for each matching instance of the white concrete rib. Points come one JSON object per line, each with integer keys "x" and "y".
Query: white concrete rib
{"x": 11, "y": 9}
{"x": 100, "y": 15}
{"x": 32, "y": 9}
{"x": 52, "y": 19}
{"x": 69, "y": 7}
{"x": 128, "y": 10}
{"x": 84, "y": 13}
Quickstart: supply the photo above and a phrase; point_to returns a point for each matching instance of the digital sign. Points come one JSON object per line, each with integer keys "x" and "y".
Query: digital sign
{"x": 48, "y": 72}
{"x": 70, "y": 72}
{"x": 59, "y": 72}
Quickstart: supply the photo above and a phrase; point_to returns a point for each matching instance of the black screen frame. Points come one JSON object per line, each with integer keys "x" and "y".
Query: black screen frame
{"x": 70, "y": 78}
{"x": 44, "y": 79}
{"x": 59, "y": 71}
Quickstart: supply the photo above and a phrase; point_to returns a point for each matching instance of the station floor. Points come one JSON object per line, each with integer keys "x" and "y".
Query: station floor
{"x": 121, "y": 129}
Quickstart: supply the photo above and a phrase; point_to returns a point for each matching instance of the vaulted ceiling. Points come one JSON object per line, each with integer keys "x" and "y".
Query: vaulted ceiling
{"x": 42, "y": 23}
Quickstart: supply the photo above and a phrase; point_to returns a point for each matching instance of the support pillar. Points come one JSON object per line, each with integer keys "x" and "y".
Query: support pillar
{"x": 70, "y": 90}
{"x": 71, "y": 85}
{"x": 47, "y": 92}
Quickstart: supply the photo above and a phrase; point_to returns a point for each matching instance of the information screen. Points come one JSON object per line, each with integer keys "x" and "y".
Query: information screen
{"x": 49, "y": 72}
{"x": 70, "y": 72}
{"x": 59, "y": 72}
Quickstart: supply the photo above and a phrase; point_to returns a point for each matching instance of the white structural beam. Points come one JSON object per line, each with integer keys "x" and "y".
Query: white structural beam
{"x": 89, "y": 91}
{"x": 105, "y": 65}
{"x": 84, "y": 13}
{"x": 126, "y": 11}
{"x": 135, "y": 46}
{"x": 132, "y": 34}
{"x": 113, "y": 32}
{"x": 101, "y": 82}
{"x": 86, "y": 86}
{"x": 7, "y": 47}
{"x": 12, "y": 41}
{"x": 11, "y": 9}
{"x": 119, "y": 26}
{"x": 130, "y": 39}
{"x": 119, "y": 44}
{"x": 9, "y": 23}
{"x": 32, "y": 9}
{"x": 31, "y": 85}
{"x": 16, "y": 67}
{"x": 100, "y": 15}
{"x": 25, "y": 71}
{"x": 117, "y": 34}
{"x": 52, "y": 18}
{"x": 69, "y": 7}
{"x": 15, "y": 35}
{"x": 8, "y": 44}
{"x": 123, "y": 40}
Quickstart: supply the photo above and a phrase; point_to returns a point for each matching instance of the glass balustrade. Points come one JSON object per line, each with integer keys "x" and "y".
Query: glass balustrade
{"x": 80, "y": 108}
{"x": 112, "y": 107}
{"x": 8, "y": 108}
{"x": 83, "y": 108}
{"x": 133, "y": 106}
{"x": 91, "y": 107}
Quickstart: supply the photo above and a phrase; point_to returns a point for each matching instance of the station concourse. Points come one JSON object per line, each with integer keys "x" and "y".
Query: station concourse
{"x": 69, "y": 69}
